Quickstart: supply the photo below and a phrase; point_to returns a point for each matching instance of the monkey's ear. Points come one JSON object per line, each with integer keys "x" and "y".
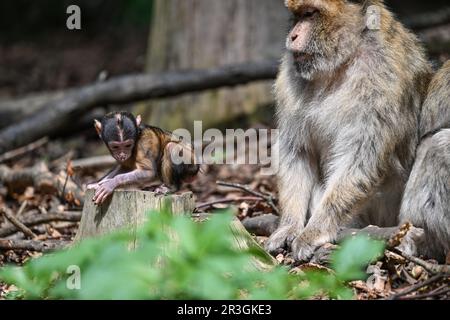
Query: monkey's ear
{"x": 98, "y": 127}
{"x": 138, "y": 120}
{"x": 292, "y": 5}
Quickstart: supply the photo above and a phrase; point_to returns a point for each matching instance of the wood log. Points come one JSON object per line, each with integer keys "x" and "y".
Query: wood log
{"x": 126, "y": 210}
{"x": 33, "y": 245}
{"x": 39, "y": 177}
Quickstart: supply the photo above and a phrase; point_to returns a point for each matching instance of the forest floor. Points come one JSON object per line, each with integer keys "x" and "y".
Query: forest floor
{"x": 28, "y": 67}
{"x": 388, "y": 278}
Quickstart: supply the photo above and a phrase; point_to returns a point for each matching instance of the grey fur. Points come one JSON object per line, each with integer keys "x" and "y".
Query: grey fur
{"x": 349, "y": 134}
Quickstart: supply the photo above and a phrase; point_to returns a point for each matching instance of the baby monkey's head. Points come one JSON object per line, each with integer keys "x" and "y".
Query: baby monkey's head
{"x": 119, "y": 131}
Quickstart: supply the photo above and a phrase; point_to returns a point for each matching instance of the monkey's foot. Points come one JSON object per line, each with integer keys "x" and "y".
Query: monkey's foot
{"x": 413, "y": 242}
{"x": 302, "y": 249}
{"x": 281, "y": 239}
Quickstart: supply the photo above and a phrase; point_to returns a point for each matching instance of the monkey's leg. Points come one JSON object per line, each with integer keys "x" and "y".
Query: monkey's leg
{"x": 107, "y": 187}
{"x": 296, "y": 182}
{"x": 426, "y": 200}
{"x": 356, "y": 175}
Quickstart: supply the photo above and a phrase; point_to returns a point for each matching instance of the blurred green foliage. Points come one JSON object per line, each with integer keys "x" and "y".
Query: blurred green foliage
{"x": 177, "y": 258}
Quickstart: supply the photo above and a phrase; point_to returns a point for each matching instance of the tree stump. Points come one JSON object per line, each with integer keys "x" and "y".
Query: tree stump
{"x": 127, "y": 210}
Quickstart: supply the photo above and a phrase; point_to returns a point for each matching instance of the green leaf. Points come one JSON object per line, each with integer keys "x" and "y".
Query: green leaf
{"x": 356, "y": 253}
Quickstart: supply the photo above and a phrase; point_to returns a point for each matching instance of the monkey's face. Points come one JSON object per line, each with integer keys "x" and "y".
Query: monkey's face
{"x": 119, "y": 131}
{"x": 323, "y": 35}
{"x": 121, "y": 150}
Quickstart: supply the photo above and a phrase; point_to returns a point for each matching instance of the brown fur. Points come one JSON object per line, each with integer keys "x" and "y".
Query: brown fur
{"x": 153, "y": 152}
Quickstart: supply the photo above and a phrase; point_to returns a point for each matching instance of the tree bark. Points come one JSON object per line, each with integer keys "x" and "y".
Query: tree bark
{"x": 127, "y": 210}
{"x": 201, "y": 34}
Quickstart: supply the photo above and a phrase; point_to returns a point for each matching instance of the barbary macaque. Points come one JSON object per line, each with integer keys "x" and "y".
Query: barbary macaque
{"x": 144, "y": 154}
{"x": 426, "y": 200}
{"x": 349, "y": 100}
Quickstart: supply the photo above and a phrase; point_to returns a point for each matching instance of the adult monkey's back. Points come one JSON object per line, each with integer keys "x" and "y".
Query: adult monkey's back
{"x": 426, "y": 201}
{"x": 349, "y": 98}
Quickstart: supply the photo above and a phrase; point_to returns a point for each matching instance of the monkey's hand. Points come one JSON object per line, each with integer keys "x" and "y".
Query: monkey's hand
{"x": 163, "y": 190}
{"x": 104, "y": 189}
{"x": 280, "y": 239}
{"x": 304, "y": 246}
{"x": 92, "y": 186}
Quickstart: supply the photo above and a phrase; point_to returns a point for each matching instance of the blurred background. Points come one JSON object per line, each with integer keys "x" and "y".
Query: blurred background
{"x": 38, "y": 54}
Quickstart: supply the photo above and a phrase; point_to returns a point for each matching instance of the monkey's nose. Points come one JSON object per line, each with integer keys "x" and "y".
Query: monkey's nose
{"x": 294, "y": 37}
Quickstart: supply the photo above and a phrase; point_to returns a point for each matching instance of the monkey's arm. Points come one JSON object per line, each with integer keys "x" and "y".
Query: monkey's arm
{"x": 111, "y": 174}
{"x": 296, "y": 180}
{"x": 360, "y": 162}
{"x": 107, "y": 187}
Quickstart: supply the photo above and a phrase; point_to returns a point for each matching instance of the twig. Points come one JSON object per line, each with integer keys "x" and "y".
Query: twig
{"x": 70, "y": 216}
{"x": 16, "y": 222}
{"x": 220, "y": 201}
{"x": 431, "y": 294}
{"x": 64, "y": 189}
{"x": 430, "y": 267}
{"x": 417, "y": 287}
{"x": 33, "y": 245}
{"x": 10, "y": 155}
{"x": 269, "y": 199}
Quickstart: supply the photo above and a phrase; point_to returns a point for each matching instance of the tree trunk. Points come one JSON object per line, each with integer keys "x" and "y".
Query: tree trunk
{"x": 196, "y": 34}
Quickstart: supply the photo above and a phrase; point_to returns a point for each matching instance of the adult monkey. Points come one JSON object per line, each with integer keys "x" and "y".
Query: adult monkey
{"x": 349, "y": 100}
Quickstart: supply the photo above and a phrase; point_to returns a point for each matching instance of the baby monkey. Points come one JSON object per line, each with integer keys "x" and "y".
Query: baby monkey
{"x": 144, "y": 155}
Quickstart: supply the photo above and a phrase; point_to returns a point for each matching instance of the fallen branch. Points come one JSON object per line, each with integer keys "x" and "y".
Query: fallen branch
{"x": 16, "y": 222}
{"x": 61, "y": 112}
{"x": 263, "y": 225}
{"x": 40, "y": 178}
{"x": 69, "y": 216}
{"x": 224, "y": 201}
{"x": 268, "y": 198}
{"x": 33, "y": 245}
{"x": 93, "y": 163}
{"x": 11, "y": 155}
{"x": 435, "y": 293}
{"x": 373, "y": 232}
{"x": 430, "y": 267}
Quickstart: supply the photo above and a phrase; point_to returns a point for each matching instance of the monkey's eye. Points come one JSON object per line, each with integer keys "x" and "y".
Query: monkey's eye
{"x": 128, "y": 146}
{"x": 115, "y": 147}
{"x": 306, "y": 13}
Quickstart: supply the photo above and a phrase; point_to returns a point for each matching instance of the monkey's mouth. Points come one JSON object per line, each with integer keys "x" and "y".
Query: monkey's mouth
{"x": 301, "y": 57}
{"x": 122, "y": 159}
